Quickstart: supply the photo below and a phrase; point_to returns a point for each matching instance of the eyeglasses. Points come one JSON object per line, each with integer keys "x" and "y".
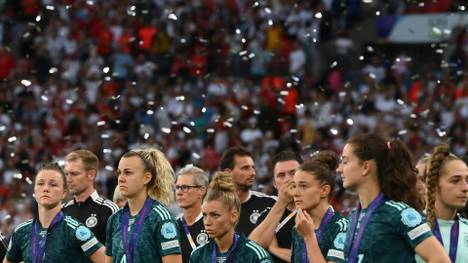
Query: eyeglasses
{"x": 184, "y": 188}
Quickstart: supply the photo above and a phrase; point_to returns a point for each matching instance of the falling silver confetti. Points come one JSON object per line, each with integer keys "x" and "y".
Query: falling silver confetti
{"x": 187, "y": 129}
{"x": 26, "y": 82}
{"x": 256, "y": 112}
{"x": 149, "y": 112}
{"x": 105, "y": 136}
{"x": 38, "y": 18}
{"x": 334, "y": 64}
{"x": 402, "y": 132}
{"x": 210, "y": 130}
{"x": 172, "y": 17}
{"x": 2, "y": 128}
{"x": 50, "y": 7}
{"x": 196, "y": 155}
{"x": 106, "y": 151}
{"x": 318, "y": 15}
{"x": 166, "y": 130}
{"x": 441, "y": 132}
{"x": 18, "y": 176}
{"x": 146, "y": 136}
{"x": 334, "y": 131}
{"x": 400, "y": 101}
{"x": 180, "y": 98}
{"x": 53, "y": 70}
{"x": 101, "y": 123}
{"x": 29, "y": 181}
{"x": 12, "y": 139}
{"x": 109, "y": 168}
{"x": 349, "y": 121}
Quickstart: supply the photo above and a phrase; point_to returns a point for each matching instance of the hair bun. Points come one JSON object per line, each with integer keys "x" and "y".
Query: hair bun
{"x": 327, "y": 158}
{"x": 222, "y": 181}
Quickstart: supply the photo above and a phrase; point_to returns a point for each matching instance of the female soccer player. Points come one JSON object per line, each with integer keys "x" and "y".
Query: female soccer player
{"x": 144, "y": 230}
{"x": 447, "y": 184}
{"x": 221, "y": 210}
{"x": 320, "y": 232}
{"x": 385, "y": 227}
{"x": 52, "y": 237}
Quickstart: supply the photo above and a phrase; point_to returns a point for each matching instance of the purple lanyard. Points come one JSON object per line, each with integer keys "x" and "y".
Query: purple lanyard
{"x": 38, "y": 244}
{"x": 453, "y": 238}
{"x": 318, "y": 233}
{"x": 187, "y": 233}
{"x": 354, "y": 243}
{"x": 129, "y": 245}
{"x": 214, "y": 250}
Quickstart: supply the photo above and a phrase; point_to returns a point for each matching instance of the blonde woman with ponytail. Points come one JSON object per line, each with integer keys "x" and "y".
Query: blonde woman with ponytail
{"x": 447, "y": 191}
{"x": 144, "y": 230}
{"x": 221, "y": 211}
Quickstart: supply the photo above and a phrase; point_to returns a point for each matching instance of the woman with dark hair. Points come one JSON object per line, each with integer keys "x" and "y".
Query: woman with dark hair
{"x": 447, "y": 192}
{"x": 386, "y": 226}
{"x": 52, "y": 236}
{"x": 320, "y": 232}
{"x": 221, "y": 211}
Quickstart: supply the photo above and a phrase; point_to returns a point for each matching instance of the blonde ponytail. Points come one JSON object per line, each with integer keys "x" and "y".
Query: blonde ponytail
{"x": 162, "y": 180}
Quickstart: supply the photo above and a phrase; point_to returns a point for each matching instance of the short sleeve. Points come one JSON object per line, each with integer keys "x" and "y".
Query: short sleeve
{"x": 412, "y": 226}
{"x": 337, "y": 239}
{"x": 14, "y": 253}
{"x": 86, "y": 240}
{"x": 166, "y": 232}
{"x": 109, "y": 231}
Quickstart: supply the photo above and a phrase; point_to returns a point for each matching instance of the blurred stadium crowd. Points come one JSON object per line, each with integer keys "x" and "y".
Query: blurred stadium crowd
{"x": 195, "y": 77}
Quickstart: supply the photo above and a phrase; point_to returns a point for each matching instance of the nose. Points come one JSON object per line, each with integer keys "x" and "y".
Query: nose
{"x": 340, "y": 168}
{"x": 206, "y": 221}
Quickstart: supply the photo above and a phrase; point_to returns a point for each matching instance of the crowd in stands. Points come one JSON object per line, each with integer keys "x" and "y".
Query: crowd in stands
{"x": 196, "y": 77}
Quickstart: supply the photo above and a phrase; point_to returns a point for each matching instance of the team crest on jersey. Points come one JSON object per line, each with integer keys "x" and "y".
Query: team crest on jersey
{"x": 254, "y": 217}
{"x": 202, "y": 238}
{"x": 82, "y": 233}
{"x": 168, "y": 230}
{"x": 340, "y": 240}
{"x": 91, "y": 221}
{"x": 411, "y": 217}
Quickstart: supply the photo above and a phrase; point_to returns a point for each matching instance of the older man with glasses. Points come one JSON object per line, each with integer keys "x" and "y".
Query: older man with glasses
{"x": 190, "y": 189}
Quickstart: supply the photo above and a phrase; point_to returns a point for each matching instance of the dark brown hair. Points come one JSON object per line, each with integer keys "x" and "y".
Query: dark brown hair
{"x": 396, "y": 173}
{"x": 322, "y": 166}
{"x": 227, "y": 160}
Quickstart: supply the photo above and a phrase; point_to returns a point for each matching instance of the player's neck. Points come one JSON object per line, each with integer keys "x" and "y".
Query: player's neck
{"x": 244, "y": 195}
{"x": 80, "y": 198}
{"x": 368, "y": 192}
{"x": 191, "y": 213}
{"x": 47, "y": 215}
{"x": 291, "y": 206}
{"x": 318, "y": 212}
{"x": 135, "y": 204}
{"x": 444, "y": 212}
{"x": 225, "y": 242}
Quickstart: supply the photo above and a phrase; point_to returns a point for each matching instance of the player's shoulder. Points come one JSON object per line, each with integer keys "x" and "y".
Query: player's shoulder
{"x": 68, "y": 204}
{"x": 463, "y": 220}
{"x": 256, "y": 250}
{"x": 340, "y": 222}
{"x": 25, "y": 226}
{"x": 104, "y": 202}
{"x": 199, "y": 251}
{"x": 260, "y": 195}
{"x": 161, "y": 212}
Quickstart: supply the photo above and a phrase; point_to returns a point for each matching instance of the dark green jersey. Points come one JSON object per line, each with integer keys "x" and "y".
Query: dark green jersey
{"x": 69, "y": 241}
{"x": 331, "y": 242}
{"x": 246, "y": 251}
{"x": 391, "y": 235}
{"x": 158, "y": 237}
